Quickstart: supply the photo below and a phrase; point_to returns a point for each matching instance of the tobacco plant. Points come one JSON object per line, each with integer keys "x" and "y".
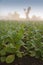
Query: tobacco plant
{"x": 15, "y": 35}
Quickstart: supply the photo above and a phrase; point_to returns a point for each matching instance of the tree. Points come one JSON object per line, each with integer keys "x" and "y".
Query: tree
{"x": 27, "y": 11}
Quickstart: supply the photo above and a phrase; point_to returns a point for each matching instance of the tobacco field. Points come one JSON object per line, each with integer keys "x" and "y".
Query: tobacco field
{"x": 20, "y": 39}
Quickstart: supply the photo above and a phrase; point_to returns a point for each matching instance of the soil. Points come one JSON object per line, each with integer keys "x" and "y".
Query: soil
{"x": 26, "y": 60}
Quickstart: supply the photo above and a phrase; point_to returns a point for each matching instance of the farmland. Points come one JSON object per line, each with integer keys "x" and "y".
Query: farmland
{"x": 17, "y": 35}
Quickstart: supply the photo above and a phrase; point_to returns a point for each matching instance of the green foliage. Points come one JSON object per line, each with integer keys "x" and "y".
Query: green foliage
{"x": 14, "y": 35}
{"x": 3, "y": 59}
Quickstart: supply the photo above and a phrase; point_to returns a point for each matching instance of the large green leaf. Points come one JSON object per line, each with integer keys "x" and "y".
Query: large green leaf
{"x": 10, "y": 58}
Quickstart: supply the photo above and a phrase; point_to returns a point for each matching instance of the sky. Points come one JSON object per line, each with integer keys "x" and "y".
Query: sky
{"x": 10, "y": 6}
